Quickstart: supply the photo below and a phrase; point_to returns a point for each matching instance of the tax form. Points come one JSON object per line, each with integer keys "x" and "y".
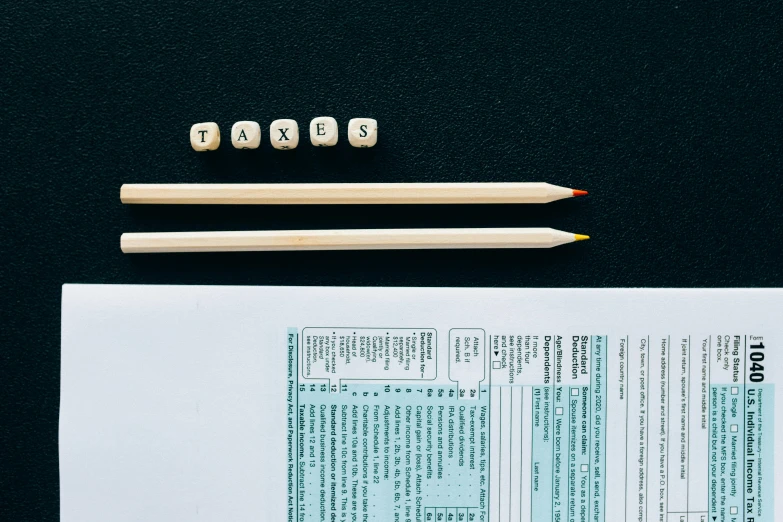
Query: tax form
{"x": 419, "y": 404}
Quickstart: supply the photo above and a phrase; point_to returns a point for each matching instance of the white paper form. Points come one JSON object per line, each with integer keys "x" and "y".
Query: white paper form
{"x": 415, "y": 404}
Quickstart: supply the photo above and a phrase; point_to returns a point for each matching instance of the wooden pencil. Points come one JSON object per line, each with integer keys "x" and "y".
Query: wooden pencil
{"x": 344, "y": 193}
{"x": 378, "y": 239}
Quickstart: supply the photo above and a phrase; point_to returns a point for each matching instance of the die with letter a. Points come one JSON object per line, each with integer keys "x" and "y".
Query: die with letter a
{"x": 323, "y": 131}
{"x": 284, "y": 134}
{"x": 246, "y": 135}
{"x": 363, "y": 132}
{"x": 205, "y": 136}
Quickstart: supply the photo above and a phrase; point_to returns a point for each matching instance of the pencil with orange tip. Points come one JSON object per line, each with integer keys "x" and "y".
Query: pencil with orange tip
{"x": 373, "y": 239}
{"x": 344, "y": 193}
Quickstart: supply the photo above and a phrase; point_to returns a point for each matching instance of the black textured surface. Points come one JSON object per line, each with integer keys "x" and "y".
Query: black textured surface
{"x": 668, "y": 113}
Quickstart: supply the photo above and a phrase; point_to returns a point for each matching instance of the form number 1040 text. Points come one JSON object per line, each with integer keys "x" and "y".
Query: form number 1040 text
{"x": 756, "y": 356}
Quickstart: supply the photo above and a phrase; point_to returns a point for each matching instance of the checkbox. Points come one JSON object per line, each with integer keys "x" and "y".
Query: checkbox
{"x": 574, "y": 391}
{"x": 584, "y": 467}
{"x": 734, "y": 390}
{"x": 495, "y": 365}
{"x": 733, "y": 510}
{"x": 558, "y": 411}
{"x": 734, "y": 428}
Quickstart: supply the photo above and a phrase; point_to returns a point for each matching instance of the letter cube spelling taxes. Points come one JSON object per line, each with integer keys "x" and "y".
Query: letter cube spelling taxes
{"x": 323, "y": 131}
{"x": 284, "y": 134}
{"x": 362, "y": 132}
{"x": 246, "y": 135}
{"x": 205, "y": 136}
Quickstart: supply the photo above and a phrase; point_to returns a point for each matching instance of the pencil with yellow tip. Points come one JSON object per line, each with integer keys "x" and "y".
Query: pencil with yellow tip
{"x": 374, "y": 239}
{"x": 344, "y": 193}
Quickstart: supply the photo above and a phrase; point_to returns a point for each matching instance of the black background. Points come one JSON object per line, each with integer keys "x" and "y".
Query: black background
{"x": 669, "y": 113}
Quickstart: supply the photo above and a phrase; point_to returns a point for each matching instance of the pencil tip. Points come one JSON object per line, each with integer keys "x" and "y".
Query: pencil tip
{"x": 580, "y": 192}
{"x": 580, "y": 237}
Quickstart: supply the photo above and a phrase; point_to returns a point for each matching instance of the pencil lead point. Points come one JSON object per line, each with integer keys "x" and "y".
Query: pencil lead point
{"x": 580, "y": 237}
{"x": 580, "y": 192}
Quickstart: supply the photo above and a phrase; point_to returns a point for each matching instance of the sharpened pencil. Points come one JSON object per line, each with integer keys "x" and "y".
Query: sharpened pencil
{"x": 344, "y": 193}
{"x": 377, "y": 239}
